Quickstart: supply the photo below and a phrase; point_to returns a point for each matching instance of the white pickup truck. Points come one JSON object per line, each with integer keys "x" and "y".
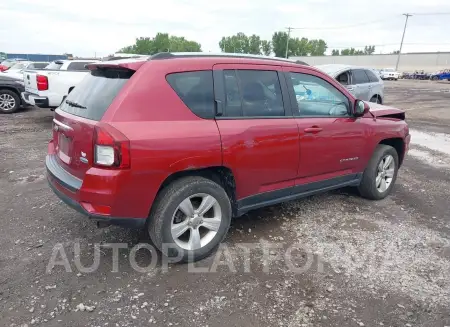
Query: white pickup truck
{"x": 46, "y": 88}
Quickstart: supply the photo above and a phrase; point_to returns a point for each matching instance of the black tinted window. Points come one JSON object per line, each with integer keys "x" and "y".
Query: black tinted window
{"x": 77, "y": 66}
{"x": 317, "y": 97}
{"x": 93, "y": 95}
{"x": 252, "y": 93}
{"x": 372, "y": 77}
{"x": 359, "y": 76}
{"x": 196, "y": 91}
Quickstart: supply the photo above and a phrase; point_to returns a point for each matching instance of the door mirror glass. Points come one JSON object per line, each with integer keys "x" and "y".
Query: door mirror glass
{"x": 361, "y": 108}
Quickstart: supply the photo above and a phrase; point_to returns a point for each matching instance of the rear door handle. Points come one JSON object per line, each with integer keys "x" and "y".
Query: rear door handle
{"x": 313, "y": 130}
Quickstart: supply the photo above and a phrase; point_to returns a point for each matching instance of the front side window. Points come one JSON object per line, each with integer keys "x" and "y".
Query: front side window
{"x": 252, "y": 93}
{"x": 317, "y": 97}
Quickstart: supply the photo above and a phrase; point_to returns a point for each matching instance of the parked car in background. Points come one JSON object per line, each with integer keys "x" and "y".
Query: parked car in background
{"x": 441, "y": 75}
{"x": 389, "y": 74}
{"x": 239, "y": 140}
{"x": 17, "y": 69}
{"x": 5, "y": 64}
{"x": 363, "y": 83}
{"x": 47, "y": 88}
{"x": 10, "y": 90}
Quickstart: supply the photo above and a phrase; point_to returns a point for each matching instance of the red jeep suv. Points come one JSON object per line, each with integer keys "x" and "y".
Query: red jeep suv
{"x": 181, "y": 143}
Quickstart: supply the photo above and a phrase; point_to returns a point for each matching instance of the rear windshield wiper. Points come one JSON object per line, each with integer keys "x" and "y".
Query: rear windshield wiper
{"x": 74, "y": 104}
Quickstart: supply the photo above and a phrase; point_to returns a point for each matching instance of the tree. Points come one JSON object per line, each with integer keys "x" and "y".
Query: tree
{"x": 369, "y": 49}
{"x": 317, "y": 47}
{"x": 239, "y": 43}
{"x": 254, "y": 44}
{"x": 279, "y": 43}
{"x": 335, "y": 52}
{"x": 297, "y": 47}
{"x": 395, "y": 52}
{"x": 162, "y": 42}
{"x": 266, "y": 47}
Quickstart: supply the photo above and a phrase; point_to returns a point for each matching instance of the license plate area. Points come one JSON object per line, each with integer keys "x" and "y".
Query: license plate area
{"x": 64, "y": 148}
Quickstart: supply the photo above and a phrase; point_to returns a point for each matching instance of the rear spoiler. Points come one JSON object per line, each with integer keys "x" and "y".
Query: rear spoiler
{"x": 131, "y": 64}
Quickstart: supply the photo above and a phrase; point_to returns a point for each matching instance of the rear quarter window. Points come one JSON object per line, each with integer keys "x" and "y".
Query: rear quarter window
{"x": 93, "y": 95}
{"x": 195, "y": 89}
{"x": 372, "y": 77}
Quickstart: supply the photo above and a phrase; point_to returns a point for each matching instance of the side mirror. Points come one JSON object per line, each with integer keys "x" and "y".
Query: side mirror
{"x": 360, "y": 109}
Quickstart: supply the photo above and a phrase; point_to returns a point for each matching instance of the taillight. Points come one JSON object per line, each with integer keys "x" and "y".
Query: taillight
{"x": 42, "y": 82}
{"x": 111, "y": 148}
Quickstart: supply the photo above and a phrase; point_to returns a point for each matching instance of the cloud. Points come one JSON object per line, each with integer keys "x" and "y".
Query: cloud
{"x": 88, "y": 27}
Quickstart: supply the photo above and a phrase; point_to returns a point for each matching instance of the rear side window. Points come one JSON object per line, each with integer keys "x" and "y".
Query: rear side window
{"x": 92, "y": 96}
{"x": 196, "y": 90}
{"x": 77, "y": 66}
{"x": 252, "y": 93}
{"x": 359, "y": 76}
{"x": 54, "y": 65}
{"x": 372, "y": 77}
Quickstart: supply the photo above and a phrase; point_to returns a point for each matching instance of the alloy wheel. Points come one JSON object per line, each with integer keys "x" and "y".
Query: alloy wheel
{"x": 7, "y": 102}
{"x": 385, "y": 173}
{"x": 196, "y": 221}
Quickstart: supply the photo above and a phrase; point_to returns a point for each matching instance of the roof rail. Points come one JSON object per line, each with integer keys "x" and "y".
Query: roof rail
{"x": 173, "y": 55}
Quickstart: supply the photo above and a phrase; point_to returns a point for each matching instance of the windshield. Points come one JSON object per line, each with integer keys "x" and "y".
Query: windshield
{"x": 56, "y": 65}
{"x": 91, "y": 98}
{"x": 389, "y": 70}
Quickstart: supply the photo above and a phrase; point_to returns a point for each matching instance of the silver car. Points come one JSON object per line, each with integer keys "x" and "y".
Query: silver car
{"x": 362, "y": 82}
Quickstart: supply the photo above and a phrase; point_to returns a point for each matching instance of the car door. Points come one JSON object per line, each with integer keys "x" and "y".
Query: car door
{"x": 376, "y": 86}
{"x": 331, "y": 140}
{"x": 361, "y": 84}
{"x": 258, "y": 132}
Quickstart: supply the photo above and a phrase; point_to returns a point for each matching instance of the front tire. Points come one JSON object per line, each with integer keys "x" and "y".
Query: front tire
{"x": 380, "y": 174}
{"x": 9, "y": 102}
{"x": 190, "y": 218}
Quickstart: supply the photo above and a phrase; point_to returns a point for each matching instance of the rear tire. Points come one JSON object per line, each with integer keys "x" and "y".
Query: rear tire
{"x": 9, "y": 102}
{"x": 168, "y": 218}
{"x": 379, "y": 172}
{"x": 375, "y": 99}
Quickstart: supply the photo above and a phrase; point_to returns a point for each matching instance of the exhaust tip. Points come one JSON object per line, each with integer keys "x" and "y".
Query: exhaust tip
{"x": 103, "y": 224}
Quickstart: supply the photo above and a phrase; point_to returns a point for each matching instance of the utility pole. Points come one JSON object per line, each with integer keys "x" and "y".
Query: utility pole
{"x": 287, "y": 41}
{"x": 401, "y": 43}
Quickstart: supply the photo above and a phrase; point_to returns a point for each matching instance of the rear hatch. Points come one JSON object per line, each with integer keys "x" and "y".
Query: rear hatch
{"x": 77, "y": 119}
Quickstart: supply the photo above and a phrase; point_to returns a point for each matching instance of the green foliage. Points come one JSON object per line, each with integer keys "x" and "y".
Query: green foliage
{"x": 297, "y": 46}
{"x": 266, "y": 47}
{"x": 368, "y": 50}
{"x": 335, "y": 52}
{"x": 162, "y": 42}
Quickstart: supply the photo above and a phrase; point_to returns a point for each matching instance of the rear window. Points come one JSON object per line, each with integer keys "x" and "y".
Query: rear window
{"x": 92, "y": 96}
{"x": 196, "y": 91}
{"x": 77, "y": 66}
{"x": 56, "y": 65}
{"x": 39, "y": 65}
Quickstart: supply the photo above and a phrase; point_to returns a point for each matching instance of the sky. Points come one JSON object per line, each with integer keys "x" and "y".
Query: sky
{"x": 100, "y": 27}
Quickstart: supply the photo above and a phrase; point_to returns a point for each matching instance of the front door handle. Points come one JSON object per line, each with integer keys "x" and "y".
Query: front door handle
{"x": 313, "y": 130}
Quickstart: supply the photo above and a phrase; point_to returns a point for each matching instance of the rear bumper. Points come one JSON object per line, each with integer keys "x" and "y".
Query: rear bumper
{"x": 35, "y": 100}
{"x": 67, "y": 187}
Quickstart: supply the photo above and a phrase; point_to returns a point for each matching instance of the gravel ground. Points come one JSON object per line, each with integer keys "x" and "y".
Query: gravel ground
{"x": 354, "y": 262}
